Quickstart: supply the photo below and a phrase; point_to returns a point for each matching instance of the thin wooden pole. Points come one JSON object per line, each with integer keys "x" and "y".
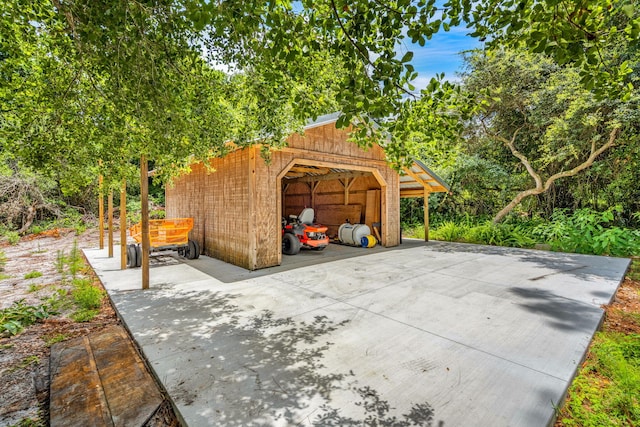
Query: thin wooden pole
{"x": 123, "y": 225}
{"x": 101, "y": 211}
{"x": 144, "y": 201}
{"x": 346, "y": 191}
{"x": 110, "y": 221}
{"x": 426, "y": 215}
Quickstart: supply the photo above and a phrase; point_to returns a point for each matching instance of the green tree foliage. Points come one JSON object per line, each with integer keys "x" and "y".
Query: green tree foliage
{"x": 537, "y": 119}
{"x": 88, "y": 80}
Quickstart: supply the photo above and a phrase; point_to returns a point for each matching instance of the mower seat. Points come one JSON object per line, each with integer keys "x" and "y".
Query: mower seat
{"x": 306, "y": 216}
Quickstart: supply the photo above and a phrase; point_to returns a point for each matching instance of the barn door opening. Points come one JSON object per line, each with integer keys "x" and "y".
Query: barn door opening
{"x": 337, "y": 193}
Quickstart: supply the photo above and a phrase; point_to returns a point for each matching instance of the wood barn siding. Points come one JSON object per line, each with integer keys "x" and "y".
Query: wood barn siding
{"x": 320, "y": 144}
{"x": 221, "y": 221}
{"x": 237, "y": 209}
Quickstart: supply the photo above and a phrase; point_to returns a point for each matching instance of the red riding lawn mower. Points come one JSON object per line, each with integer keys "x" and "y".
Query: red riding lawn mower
{"x": 300, "y": 232}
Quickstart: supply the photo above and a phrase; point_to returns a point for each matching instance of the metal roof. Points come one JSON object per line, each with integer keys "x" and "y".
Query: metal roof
{"x": 415, "y": 178}
{"x": 322, "y": 120}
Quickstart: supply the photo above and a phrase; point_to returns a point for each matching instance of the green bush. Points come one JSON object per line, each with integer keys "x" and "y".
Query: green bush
{"x": 450, "y": 231}
{"x": 587, "y": 231}
{"x": 86, "y": 295}
{"x": 12, "y": 237}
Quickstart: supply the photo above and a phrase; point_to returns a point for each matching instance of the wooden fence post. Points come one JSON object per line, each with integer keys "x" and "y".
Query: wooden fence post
{"x": 144, "y": 201}
{"x": 110, "y": 221}
{"x": 101, "y": 211}
{"x": 123, "y": 225}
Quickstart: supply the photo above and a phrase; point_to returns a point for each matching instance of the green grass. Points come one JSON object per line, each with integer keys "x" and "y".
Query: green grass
{"x": 634, "y": 269}
{"x": 27, "y": 361}
{"x": 606, "y": 392}
{"x": 30, "y": 422}
{"x": 74, "y": 261}
{"x": 84, "y": 315}
{"x": 34, "y": 288}
{"x": 51, "y": 340}
{"x": 12, "y": 237}
{"x": 4, "y": 276}
{"x": 33, "y": 275}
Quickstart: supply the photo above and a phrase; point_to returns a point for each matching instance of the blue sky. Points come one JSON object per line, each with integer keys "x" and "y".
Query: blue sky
{"x": 441, "y": 54}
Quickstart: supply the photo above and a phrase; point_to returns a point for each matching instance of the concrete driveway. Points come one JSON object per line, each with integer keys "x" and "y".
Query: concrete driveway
{"x": 435, "y": 334}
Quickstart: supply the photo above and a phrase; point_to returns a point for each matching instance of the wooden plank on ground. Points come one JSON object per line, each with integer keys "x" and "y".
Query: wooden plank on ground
{"x": 100, "y": 380}
{"x": 76, "y": 398}
{"x": 132, "y": 393}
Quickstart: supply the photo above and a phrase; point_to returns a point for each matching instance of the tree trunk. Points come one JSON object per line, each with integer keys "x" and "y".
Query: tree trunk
{"x": 28, "y": 220}
{"x": 543, "y": 187}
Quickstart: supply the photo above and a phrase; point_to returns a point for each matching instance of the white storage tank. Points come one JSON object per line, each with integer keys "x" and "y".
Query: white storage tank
{"x": 352, "y": 234}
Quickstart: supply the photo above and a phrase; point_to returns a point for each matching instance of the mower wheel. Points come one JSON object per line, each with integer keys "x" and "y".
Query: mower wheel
{"x": 131, "y": 256}
{"x": 193, "y": 250}
{"x": 290, "y": 244}
{"x": 138, "y": 249}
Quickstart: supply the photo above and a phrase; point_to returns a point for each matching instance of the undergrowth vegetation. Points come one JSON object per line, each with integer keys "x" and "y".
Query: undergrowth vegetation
{"x": 83, "y": 300}
{"x": 583, "y": 231}
{"x": 20, "y": 315}
{"x": 606, "y": 391}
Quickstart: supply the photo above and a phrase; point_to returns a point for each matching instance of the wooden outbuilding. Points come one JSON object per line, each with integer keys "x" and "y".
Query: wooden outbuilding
{"x": 238, "y": 209}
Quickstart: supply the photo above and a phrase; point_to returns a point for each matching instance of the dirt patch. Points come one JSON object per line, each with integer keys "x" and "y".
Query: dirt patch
{"x": 623, "y": 315}
{"x": 24, "y": 358}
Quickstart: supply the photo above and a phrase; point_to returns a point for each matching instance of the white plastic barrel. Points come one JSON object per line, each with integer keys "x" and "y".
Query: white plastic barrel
{"x": 351, "y": 234}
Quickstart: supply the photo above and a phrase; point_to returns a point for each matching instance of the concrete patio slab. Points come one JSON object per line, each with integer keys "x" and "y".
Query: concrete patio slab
{"x": 430, "y": 334}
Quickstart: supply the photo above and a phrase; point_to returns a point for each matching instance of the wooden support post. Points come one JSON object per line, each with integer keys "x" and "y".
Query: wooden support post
{"x": 123, "y": 225}
{"x": 314, "y": 187}
{"x": 144, "y": 202}
{"x": 283, "y": 201}
{"x": 346, "y": 190}
{"x": 426, "y": 214}
{"x": 252, "y": 214}
{"x": 101, "y": 211}
{"x": 110, "y": 221}
{"x": 347, "y": 184}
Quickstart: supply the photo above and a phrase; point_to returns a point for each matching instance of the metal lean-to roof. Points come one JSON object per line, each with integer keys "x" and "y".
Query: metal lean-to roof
{"x": 418, "y": 177}
{"x": 413, "y": 179}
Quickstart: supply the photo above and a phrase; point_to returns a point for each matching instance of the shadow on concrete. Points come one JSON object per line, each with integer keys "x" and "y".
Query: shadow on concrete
{"x": 244, "y": 367}
{"x": 228, "y": 273}
{"x": 565, "y": 314}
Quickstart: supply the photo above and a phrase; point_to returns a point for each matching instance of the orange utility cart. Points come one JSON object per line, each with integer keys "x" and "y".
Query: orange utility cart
{"x": 164, "y": 235}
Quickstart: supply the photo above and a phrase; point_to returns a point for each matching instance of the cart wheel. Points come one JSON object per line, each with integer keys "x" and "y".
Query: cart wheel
{"x": 138, "y": 255}
{"x": 193, "y": 250}
{"x": 290, "y": 244}
{"x": 132, "y": 256}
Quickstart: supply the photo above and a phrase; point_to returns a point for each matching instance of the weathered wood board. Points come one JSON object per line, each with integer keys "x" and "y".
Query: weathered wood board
{"x": 372, "y": 208}
{"x": 100, "y": 380}
{"x": 333, "y": 216}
